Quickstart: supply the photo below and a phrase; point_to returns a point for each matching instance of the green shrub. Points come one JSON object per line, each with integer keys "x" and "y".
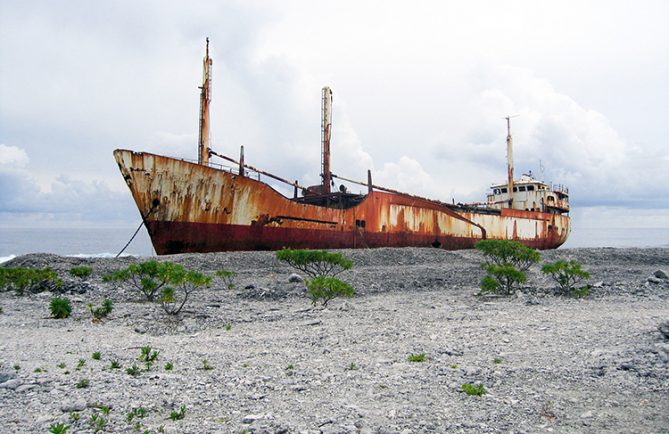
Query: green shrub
{"x": 325, "y": 288}
{"x": 102, "y": 311}
{"x": 114, "y": 364}
{"x": 315, "y": 262}
{"x": 83, "y": 384}
{"x": 81, "y": 272}
{"x": 133, "y": 371}
{"x": 148, "y": 277}
{"x": 58, "y": 428}
{"x": 473, "y": 390}
{"x": 60, "y": 307}
{"x": 98, "y": 423}
{"x": 21, "y": 279}
{"x": 169, "y": 366}
{"x": 178, "y": 415}
{"x": 417, "y": 358}
{"x": 505, "y": 264}
{"x": 187, "y": 281}
{"x": 140, "y": 412}
{"x": 567, "y": 274}
{"x": 227, "y": 277}
{"x": 96, "y": 355}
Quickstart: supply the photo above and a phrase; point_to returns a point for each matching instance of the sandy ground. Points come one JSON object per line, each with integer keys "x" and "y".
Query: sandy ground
{"x": 278, "y": 364}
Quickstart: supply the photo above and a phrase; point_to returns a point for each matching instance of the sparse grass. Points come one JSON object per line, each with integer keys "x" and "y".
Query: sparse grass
{"x": 178, "y": 415}
{"x": 140, "y": 412}
{"x": 290, "y": 367}
{"x": 352, "y": 367}
{"x": 473, "y": 390}
{"x": 417, "y": 358}
{"x": 245, "y": 365}
{"x": 16, "y": 367}
{"x": 60, "y": 307}
{"x": 206, "y": 366}
{"x": 98, "y": 423}
{"x": 228, "y": 327}
{"x": 454, "y": 366}
{"x": 83, "y": 383}
{"x": 80, "y": 364}
{"x": 66, "y": 372}
{"x": 497, "y": 361}
{"x": 103, "y": 311}
{"x": 81, "y": 272}
{"x": 169, "y": 366}
{"x": 38, "y": 370}
{"x": 21, "y": 279}
{"x": 96, "y": 355}
{"x": 58, "y": 428}
{"x": 227, "y": 277}
{"x": 61, "y": 365}
{"x": 74, "y": 416}
{"x": 114, "y": 364}
{"x": 148, "y": 356}
{"x": 133, "y": 370}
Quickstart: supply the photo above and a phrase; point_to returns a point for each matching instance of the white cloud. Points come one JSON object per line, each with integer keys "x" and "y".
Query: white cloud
{"x": 12, "y": 157}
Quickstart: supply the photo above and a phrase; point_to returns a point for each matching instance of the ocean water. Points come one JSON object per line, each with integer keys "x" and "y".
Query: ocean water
{"x": 107, "y": 242}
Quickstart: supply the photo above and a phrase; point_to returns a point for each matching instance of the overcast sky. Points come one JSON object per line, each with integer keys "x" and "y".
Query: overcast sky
{"x": 420, "y": 92}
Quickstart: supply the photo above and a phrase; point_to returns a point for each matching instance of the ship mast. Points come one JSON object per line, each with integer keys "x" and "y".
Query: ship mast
{"x": 326, "y": 127}
{"x": 509, "y": 159}
{"x": 205, "y": 99}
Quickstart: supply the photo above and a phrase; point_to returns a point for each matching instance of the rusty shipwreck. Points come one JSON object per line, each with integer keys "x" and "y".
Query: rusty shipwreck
{"x": 206, "y": 207}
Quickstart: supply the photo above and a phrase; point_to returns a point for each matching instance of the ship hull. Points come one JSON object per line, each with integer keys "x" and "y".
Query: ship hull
{"x": 194, "y": 208}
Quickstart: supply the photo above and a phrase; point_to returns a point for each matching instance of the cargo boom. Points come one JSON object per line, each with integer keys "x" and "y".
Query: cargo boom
{"x": 203, "y": 207}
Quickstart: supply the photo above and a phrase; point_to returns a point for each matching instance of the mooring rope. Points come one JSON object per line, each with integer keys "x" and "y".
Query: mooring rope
{"x": 136, "y": 232}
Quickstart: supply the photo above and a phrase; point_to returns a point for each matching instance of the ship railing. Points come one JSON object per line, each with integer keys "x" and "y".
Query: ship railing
{"x": 560, "y": 188}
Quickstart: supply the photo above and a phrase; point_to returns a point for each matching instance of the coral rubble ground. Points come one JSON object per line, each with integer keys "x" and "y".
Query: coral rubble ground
{"x": 260, "y": 358}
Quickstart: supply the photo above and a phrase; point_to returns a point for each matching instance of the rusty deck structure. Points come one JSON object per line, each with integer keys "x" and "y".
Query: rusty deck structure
{"x": 205, "y": 207}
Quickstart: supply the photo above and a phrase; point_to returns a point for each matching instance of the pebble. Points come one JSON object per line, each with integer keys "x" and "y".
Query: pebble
{"x": 78, "y": 405}
{"x": 11, "y": 384}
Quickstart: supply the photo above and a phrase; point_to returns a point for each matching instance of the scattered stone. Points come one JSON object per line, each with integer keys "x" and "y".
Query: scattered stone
{"x": 664, "y": 329}
{"x": 4, "y": 376}
{"x": 660, "y": 274}
{"x": 250, "y": 418}
{"x": 295, "y": 278}
{"x": 26, "y": 387}
{"x": 78, "y": 405}
{"x": 654, "y": 279}
{"x": 11, "y": 384}
{"x": 312, "y": 322}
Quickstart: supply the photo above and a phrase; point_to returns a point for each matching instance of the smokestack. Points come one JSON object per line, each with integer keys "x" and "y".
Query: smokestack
{"x": 326, "y": 127}
{"x": 205, "y": 99}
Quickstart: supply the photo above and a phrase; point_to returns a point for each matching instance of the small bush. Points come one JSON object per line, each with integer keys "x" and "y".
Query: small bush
{"x": 58, "y": 428}
{"x": 178, "y": 415}
{"x": 315, "y": 262}
{"x": 102, "y": 311}
{"x": 206, "y": 366}
{"x": 21, "y": 279}
{"x": 148, "y": 277}
{"x": 98, "y": 423}
{"x": 325, "y": 288}
{"x": 505, "y": 264}
{"x": 417, "y": 358}
{"x": 114, "y": 364}
{"x": 567, "y": 274}
{"x": 188, "y": 281}
{"x": 473, "y": 390}
{"x": 133, "y": 371}
{"x": 81, "y": 272}
{"x": 497, "y": 361}
{"x": 60, "y": 307}
{"x": 83, "y": 384}
{"x": 80, "y": 364}
{"x": 140, "y": 412}
{"x": 227, "y": 277}
{"x": 169, "y": 366}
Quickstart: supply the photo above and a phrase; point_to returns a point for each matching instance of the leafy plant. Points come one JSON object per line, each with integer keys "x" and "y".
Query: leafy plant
{"x": 169, "y": 366}
{"x": 21, "y": 279}
{"x": 567, "y": 274}
{"x": 290, "y": 367}
{"x": 206, "y": 366}
{"x": 505, "y": 264}
{"x": 227, "y": 277}
{"x": 454, "y": 366}
{"x": 133, "y": 370}
{"x": 352, "y": 367}
{"x": 114, "y": 364}
{"x": 98, "y": 423}
{"x": 421, "y": 357}
{"x": 61, "y": 365}
{"x": 148, "y": 277}
{"x": 188, "y": 281}
{"x": 96, "y": 355}
{"x": 315, "y": 262}
{"x": 102, "y": 311}
{"x": 81, "y": 272}
{"x": 80, "y": 364}
{"x": 148, "y": 355}
{"x": 497, "y": 361}
{"x": 326, "y": 288}
{"x": 83, "y": 383}
{"x": 58, "y": 428}
{"x": 140, "y": 412}
{"x": 104, "y": 409}
{"x": 178, "y": 415}
{"x": 60, "y": 307}
{"x": 74, "y": 416}
{"x": 38, "y": 370}
{"x": 16, "y": 367}
{"x": 473, "y": 390}
{"x": 228, "y": 327}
